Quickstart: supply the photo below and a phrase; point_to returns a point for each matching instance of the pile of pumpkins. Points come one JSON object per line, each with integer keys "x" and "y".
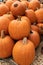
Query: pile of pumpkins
{"x": 21, "y": 25}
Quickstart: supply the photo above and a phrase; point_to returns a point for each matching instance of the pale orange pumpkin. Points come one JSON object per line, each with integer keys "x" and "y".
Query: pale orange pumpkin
{"x": 23, "y": 52}
{"x": 6, "y": 45}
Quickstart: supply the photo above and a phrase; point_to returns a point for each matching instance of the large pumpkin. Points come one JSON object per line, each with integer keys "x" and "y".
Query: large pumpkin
{"x": 34, "y": 4}
{"x": 40, "y": 25}
{"x": 19, "y": 28}
{"x": 24, "y": 52}
{"x": 18, "y": 8}
{"x": 4, "y": 23}
{"x": 6, "y": 45}
{"x": 3, "y": 9}
{"x": 35, "y": 38}
{"x": 39, "y": 15}
{"x": 31, "y": 15}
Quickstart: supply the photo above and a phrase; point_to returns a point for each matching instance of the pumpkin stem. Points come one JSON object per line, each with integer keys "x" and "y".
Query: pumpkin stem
{"x": 35, "y": 23}
{"x": 8, "y": 12}
{"x": 37, "y": 8}
{"x": 24, "y": 40}
{"x": 19, "y": 18}
{"x": 2, "y": 34}
{"x": 15, "y": 5}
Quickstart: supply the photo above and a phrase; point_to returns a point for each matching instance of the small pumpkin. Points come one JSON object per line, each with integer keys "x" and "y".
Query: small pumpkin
{"x": 19, "y": 28}
{"x": 18, "y": 8}
{"x": 3, "y": 9}
{"x": 9, "y": 16}
{"x": 31, "y": 15}
{"x": 4, "y": 23}
{"x": 34, "y": 5}
{"x": 9, "y": 3}
{"x": 6, "y": 45}
{"x": 35, "y": 38}
{"x": 40, "y": 25}
{"x": 23, "y": 52}
{"x": 26, "y": 3}
{"x": 39, "y": 15}
{"x": 35, "y": 27}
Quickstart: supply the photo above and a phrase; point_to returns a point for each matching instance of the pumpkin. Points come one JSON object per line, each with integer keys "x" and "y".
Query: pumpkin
{"x": 23, "y": 52}
{"x": 3, "y": 9}
{"x": 18, "y": 8}
{"x": 39, "y": 15}
{"x": 9, "y": 3}
{"x": 19, "y": 28}
{"x": 6, "y": 45}
{"x": 9, "y": 16}
{"x": 35, "y": 38}
{"x": 31, "y": 15}
{"x": 26, "y": 3}
{"x": 34, "y": 5}
{"x": 35, "y": 27}
{"x": 4, "y": 23}
{"x": 40, "y": 25}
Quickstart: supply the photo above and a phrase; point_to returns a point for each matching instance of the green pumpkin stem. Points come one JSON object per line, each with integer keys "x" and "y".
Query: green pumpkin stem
{"x": 2, "y": 34}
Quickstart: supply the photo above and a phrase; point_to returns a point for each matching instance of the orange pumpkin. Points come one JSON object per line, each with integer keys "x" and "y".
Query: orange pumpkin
{"x": 34, "y": 5}
{"x": 9, "y": 3}
{"x": 3, "y": 9}
{"x": 9, "y": 16}
{"x": 26, "y": 3}
{"x": 35, "y": 27}
{"x": 40, "y": 25}
{"x": 39, "y": 15}
{"x": 18, "y": 8}
{"x": 24, "y": 52}
{"x": 4, "y": 23}
{"x": 19, "y": 28}
{"x": 31, "y": 15}
{"x": 35, "y": 38}
{"x": 6, "y": 45}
